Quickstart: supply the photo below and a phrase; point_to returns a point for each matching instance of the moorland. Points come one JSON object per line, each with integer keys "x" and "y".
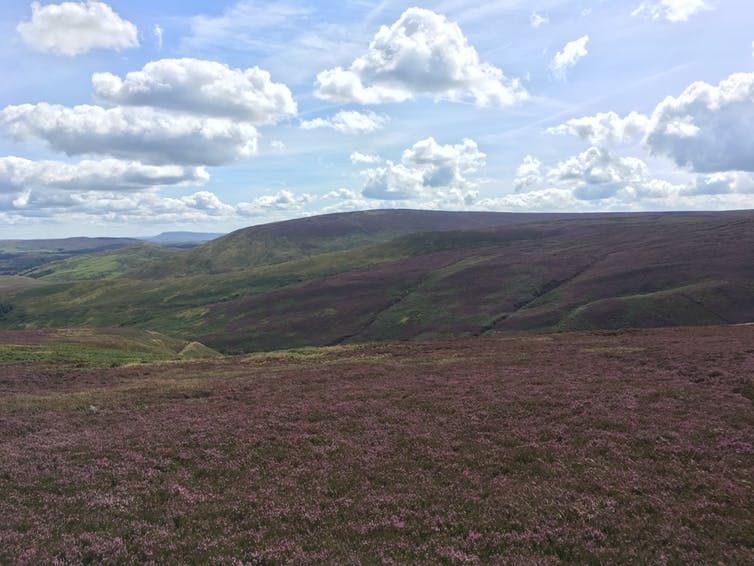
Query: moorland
{"x": 383, "y": 387}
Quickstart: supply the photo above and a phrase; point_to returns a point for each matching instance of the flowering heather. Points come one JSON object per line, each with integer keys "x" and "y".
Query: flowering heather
{"x": 604, "y": 447}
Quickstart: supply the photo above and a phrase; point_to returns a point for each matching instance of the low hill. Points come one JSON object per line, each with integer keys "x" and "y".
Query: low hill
{"x": 100, "y": 265}
{"x": 581, "y": 272}
{"x": 279, "y": 242}
{"x": 17, "y": 256}
{"x": 183, "y": 237}
{"x": 98, "y": 347}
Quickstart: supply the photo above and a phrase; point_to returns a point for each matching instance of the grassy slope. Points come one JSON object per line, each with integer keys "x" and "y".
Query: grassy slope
{"x": 584, "y": 273}
{"x": 101, "y": 265}
{"x": 17, "y": 256}
{"x": 581, "y": 448}
{"x": 99, "y": 347}
{"x": 280, "y": 242}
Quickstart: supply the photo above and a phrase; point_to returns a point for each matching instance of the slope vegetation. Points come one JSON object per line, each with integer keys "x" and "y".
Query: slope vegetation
{"x": 244, "y": 293}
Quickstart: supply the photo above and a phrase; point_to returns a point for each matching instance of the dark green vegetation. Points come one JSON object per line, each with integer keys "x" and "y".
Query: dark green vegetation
{"x": 611, "y": 447}
{"x": 387, "y": 275}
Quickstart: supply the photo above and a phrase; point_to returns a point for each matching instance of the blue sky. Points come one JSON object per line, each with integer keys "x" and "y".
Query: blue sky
{"x": 130, "y": 118}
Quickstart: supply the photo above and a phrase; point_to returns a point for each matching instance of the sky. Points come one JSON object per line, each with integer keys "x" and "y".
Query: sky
{"x": 129, "y": 118}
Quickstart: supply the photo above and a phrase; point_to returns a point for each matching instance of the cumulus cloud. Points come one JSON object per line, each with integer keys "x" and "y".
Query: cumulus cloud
{"x": 142, "y": 134}
{"x": 572, "y": 53}
{"x": 18, "y": 174}
{"x": 671, "y": 10}
{"x": 595, "y": 175}
{"x": 729, "y": 182}
{"x": 605, "y": 128}
{"x": 73, "y": 28}
{"x": 348, "y": 122}
{"x": 707, "y": 128}
{"x": 358, "y": 157}
{"x": 529, "y": 173}
{"x": 537, "y": 20}
{"x": 427, "y": 169}
{"x": 282, "y": 201}
{"x": 146, "y": 207}
{"x": 421, "y": 53}
{"x": 199, "y": 87}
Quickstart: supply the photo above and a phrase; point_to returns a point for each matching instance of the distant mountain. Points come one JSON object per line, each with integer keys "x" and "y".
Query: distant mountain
{"x": 405, "y": 275}
{"x": 184, "y": 237}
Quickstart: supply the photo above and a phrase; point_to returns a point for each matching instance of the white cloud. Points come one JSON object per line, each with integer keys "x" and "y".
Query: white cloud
{"x": 98, "y": 207}
{"x": 158, "y": 35}
{"x": 421, "y": 53}
{"x": 731, "y": 182}
{"x": 427, "y": 169}
{"x": 281, "y": 201}
{"x": 571, "y": 53}
{"x": 345, "y": 200}
{"x": 348, "y": 122}
{"x": 358, "y": 157}
{"x": 708, "y": 128}
{"x": 73, "y": 28}
{"x": 595, "y": 175}
{"x": 536, "y": 20}
{"x": 605, "y": 128}
{"x": 200, "y": 87}
{"x": 529, "y": 173}
{"x": 18, "y": 174}
{"x": 277, "y": 145}
{"x": 142, "y": 134}
{"x": 671, "y": 10}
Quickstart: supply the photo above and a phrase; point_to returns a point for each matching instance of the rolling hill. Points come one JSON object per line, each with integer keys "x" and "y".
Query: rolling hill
{"x": 17, "y": 256}
{"x": 404, "y": 275}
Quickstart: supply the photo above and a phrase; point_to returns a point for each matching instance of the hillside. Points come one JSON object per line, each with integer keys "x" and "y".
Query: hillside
{"x": 183, "y": 237}
{"x": 100, "y": 265}
{"x": 279, "y": 242}
{"x": 562, "y": 274}
{"x": 90, "y": 347}
{"x": 17, "y": 256}
{"x": 627, "y": 447}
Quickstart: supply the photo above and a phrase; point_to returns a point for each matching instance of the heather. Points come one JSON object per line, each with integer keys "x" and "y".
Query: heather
{"x": 405, "y": 275}
{"x": 598, "y": 447}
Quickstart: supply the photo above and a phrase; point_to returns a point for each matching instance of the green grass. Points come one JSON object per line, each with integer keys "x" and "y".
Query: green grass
{"x": 101, "y": 347}
{"x": 75, "y": 353}
{"x": 103, "y": 265}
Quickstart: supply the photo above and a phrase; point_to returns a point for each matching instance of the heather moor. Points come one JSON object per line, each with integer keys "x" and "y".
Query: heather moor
{"x": 369, "y": 282}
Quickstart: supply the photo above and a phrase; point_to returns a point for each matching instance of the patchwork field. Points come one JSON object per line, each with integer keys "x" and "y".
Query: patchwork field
{"x": 591, "y": 447}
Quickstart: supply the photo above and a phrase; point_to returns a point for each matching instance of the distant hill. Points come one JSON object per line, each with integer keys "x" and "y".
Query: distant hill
{"x": 17, "y": 256}
{"x": 405, "y": 275}
{"x": 279, "y": 242}
{"x": 100, "y": 265}
{"x": 183, "y": 237}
